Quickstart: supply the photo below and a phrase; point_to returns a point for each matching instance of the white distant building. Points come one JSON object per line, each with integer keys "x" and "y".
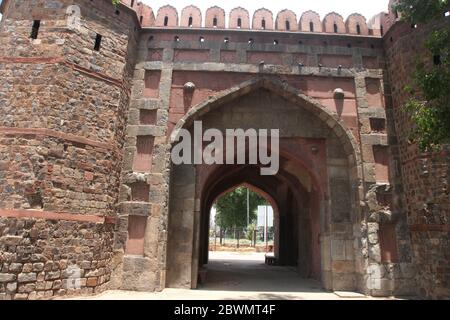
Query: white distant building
{"x": 212, "y": 221}
{"x": 262, "y": 216}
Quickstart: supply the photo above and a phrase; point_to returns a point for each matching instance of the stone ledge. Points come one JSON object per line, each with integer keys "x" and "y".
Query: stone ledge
{"x": 135, "y": 208}
{"x": 34, "y": 214}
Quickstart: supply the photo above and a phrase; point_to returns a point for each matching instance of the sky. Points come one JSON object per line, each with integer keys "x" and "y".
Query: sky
{"x": 367, "y": 8}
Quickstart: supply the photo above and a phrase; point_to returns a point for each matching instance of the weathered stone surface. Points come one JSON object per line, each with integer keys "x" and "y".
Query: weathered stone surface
{"x": 26, "y": 277}
{"x": 91, "y": 104}
{"x": 7, "y": 277}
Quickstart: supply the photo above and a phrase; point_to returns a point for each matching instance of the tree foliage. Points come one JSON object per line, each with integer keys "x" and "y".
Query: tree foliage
{"x": 115, "y": 2}
{"x": 232, "y": 208}
{"x": 421, "y": 11}
{"x": 429, "y": 106}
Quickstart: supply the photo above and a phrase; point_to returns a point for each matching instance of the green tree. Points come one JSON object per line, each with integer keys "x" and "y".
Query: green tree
{"x": 429, "y": 105}
{"x": 115, "y": 2}
{"x": 421, "y": 11}
{"x": 232, "y": 208}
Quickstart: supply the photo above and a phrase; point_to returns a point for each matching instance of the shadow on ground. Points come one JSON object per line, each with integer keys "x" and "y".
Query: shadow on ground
{"x": 228, "y": 272}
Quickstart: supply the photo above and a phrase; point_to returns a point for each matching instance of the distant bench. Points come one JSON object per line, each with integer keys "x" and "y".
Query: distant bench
{"x": 270, "y": 259}
{"x": 202, "y": 273}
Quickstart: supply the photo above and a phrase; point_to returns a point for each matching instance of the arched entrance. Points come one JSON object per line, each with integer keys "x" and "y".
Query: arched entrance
{"x": 314, "y": 189}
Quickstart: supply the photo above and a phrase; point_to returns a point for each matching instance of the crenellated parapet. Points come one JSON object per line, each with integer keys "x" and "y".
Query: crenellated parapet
{"x": 263, "y": 19}
{"x": 286, "y": 20}
{"x": 215, "y": 18}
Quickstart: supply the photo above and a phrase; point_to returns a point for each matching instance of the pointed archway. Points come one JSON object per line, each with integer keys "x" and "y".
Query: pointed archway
{"x": 319, "y": 175}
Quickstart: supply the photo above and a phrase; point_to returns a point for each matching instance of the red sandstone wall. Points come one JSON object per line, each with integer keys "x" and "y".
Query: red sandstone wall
{"x": 207, "y": 84}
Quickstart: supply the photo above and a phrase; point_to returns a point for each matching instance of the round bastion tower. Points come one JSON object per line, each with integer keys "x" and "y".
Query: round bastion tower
{"x": 63, "y": 102}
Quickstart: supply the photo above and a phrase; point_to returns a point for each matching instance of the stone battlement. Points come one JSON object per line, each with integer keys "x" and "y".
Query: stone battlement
{"x": 263, "y": 19}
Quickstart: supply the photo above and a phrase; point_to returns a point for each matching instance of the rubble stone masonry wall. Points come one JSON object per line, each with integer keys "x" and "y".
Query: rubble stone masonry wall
{"x": 425, "y": 193}
{"x": 63, "y": 116}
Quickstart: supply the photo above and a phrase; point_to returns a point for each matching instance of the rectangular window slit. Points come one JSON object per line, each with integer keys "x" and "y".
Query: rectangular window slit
{"x": 98, "y": 42}
{"x": 35, "y": 29}
{"x": 377, "y": 124}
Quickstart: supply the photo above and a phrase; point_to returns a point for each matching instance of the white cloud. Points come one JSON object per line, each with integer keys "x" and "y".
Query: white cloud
{"x": 344, "y": 7}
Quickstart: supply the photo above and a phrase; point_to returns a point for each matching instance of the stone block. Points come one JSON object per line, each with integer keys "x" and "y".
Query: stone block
{"x": 26, "y": 277}
{"x": 92, "y": 282}
{"x": 15, "y": 267}
{"x": 338, "y": 249}
{"x": 344, "y": 282}
{"x": 343, "y": 266}
{"x": 7, "y": 277}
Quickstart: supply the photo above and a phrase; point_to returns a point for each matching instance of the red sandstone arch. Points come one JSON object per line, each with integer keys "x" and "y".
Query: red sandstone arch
{"x": 239, "y": 15}
{"x": 286, "y": 18}
{"x": 310, "y": 19}
{"x": 191, "y": 17}
{"x": 356, "y": 24}
{"x": 316, "y": 202}
{"x": 223, "y": 179}
{"x": 215, "y": 14}
{"x": 262, "y": 19}
{"x": 167, "y": 14}
{"x": 253, "y": 188}
{"x": 332, "y": 21}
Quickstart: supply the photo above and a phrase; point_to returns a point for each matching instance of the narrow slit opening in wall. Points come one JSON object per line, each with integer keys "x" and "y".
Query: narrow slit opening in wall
{"x": 141, "y": 19}
{"x": 132, "y": 3}
{"x": 140, "y": 192}
{"x": 288, "y": 26}
{"x": 35, "y": 201}
{"x": 311, "y": 27}
{"x": 377, "y": 124}
{"x": 98, "y": 42}
{"x": 263, "y": 24}
{"x": 358, "y": 29}
{"x": 35, "y": 29}
{"x": 215, "y": 22}
{"x": 147, "y": 117}
{"x": 239, "y": 22}
{"x": 190, "y": 22}
{"x": 436, "y": 60}
{"x": 166, "y": 21}
{"x": 335, "y": 27}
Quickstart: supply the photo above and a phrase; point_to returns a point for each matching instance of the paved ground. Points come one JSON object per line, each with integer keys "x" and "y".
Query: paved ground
{"x": 233, "y": 275}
